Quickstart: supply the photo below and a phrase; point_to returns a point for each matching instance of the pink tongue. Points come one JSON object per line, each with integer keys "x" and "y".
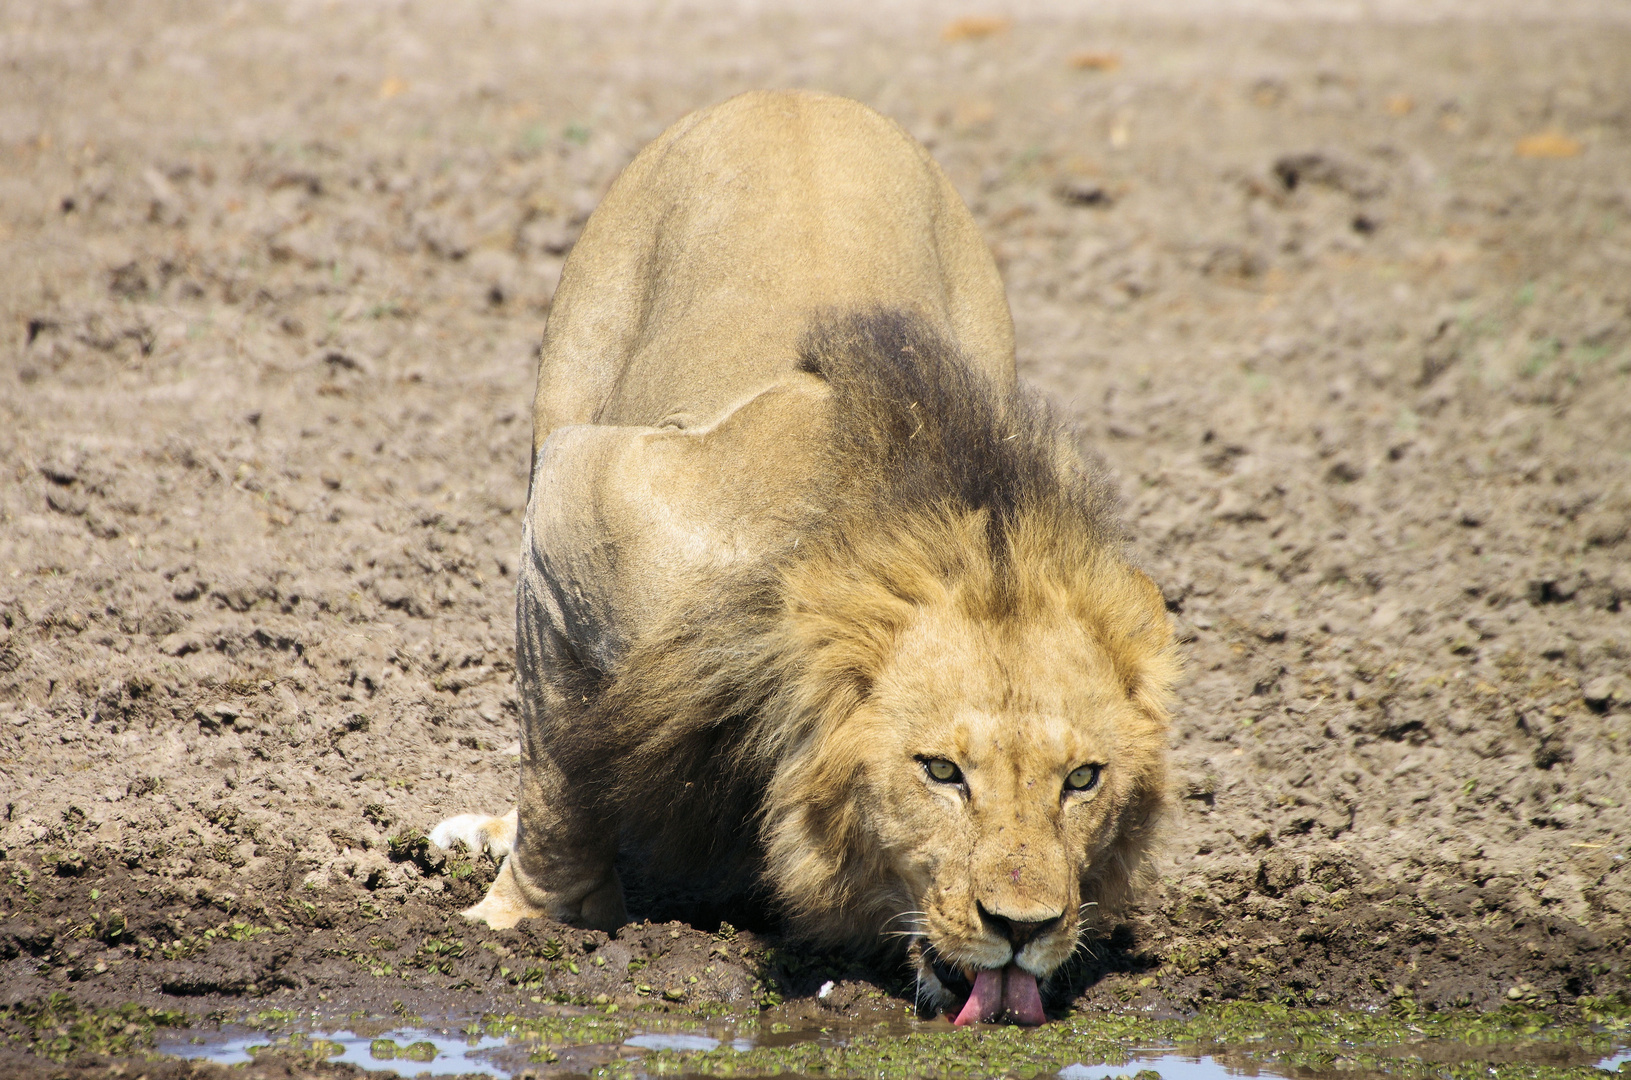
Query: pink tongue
{"x": 1021, "y": 997}
{"x": 986, "y": 1000}
{"x": 1011, "y": 990}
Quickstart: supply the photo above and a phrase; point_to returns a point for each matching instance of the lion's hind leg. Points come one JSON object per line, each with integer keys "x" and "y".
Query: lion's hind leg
{"x": 478, "y": 832}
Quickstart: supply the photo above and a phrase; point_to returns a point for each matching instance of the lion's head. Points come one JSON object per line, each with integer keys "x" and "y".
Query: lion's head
{"x": 992, "y": 762}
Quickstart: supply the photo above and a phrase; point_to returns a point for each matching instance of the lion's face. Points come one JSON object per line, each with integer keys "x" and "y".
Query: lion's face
{"x": 994, "y": 781}
{"x": 1002, "y": 767}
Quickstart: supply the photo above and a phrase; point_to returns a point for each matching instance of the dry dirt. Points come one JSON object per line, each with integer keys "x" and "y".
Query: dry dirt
{"x": 1346, "y": 304}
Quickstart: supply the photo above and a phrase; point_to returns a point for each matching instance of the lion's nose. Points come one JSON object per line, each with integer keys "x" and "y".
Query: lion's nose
{"x": 1017, "y": 931}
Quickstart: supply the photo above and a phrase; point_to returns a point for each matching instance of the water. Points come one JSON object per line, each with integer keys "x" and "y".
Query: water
{"x": 1205, "y": 1067}
{"x": 660, "y": 1041}
{"x": 453, "y": 1054}
{"x": 1170, "y": 1066}
{"x": 411, "y": 1051}
{"x": 421, "y": 1051}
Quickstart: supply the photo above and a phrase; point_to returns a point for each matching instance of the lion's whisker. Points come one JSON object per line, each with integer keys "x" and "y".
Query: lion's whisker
{"x": 913, "y": 931}
{"x": 1086, "y": 947}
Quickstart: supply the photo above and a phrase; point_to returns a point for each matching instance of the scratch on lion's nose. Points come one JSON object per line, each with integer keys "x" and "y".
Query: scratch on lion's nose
{"x": 1014, "y": 873}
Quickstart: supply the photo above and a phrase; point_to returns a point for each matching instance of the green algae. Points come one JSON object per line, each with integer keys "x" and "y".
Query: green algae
{"x": 1595, "y": 1027}
{"x": 1511, "y": 1044}
{"x": 59, "y": 1028}
{"x": 299, "y": 1046}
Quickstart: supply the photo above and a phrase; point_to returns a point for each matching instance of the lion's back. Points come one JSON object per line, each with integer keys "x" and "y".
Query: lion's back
{"x": 695, "y": 280}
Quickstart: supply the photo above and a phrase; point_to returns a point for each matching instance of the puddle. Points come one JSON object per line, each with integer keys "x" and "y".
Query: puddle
{"x": 449, "y": 1051}
{"x": 1170, "y": 1066}
{"x": 1178, "y": 1066}
{"x": 406, "y": 1051}
{"x": 499, "y": 1051}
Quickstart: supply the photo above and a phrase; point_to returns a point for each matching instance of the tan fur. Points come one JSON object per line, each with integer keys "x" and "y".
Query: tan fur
{"x": 792, "y": 531}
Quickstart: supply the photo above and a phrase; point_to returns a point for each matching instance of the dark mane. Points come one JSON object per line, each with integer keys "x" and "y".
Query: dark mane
{"x": 915, "y": 428}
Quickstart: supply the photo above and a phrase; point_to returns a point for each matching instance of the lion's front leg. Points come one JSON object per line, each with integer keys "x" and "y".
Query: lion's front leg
{"x": 512, "y": 898}
{"x": 564, "y": 853}
{"x": 505, "y": 903}
{"x": 559, "y": 844}
{"x": 556, "y": 862}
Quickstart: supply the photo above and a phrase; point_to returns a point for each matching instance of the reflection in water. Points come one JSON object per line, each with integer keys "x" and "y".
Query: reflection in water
{"x": 661, "y": 1041}
{"x": 406, "y": 1051}
{"x": 1170, "y": 1066}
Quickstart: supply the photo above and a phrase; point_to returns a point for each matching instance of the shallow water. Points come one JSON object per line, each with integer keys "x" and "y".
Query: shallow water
{"x": 459, "y": 1054}
{"x": 660, "y": 1041}
{"x": 412, "y": 1051}
{"x": 424, "y": 1051}
{"x": 1170, "y": 1066}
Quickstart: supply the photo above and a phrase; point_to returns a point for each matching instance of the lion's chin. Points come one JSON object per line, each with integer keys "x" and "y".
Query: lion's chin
{"x": 997, "y": 991}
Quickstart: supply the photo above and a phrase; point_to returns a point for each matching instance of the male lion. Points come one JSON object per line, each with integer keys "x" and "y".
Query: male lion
{"x": 805, "y": 574}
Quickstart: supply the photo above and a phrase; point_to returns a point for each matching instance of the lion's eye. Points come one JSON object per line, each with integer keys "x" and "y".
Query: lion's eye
{"x": 1085, "y": 778}
{"x": 943, "y": 770}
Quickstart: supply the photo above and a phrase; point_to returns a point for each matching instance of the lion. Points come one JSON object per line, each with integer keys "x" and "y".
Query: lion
{"x": 808, "y": 583}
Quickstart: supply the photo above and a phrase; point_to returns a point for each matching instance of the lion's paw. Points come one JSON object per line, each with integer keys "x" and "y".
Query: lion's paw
{"x": 478, "y": 832}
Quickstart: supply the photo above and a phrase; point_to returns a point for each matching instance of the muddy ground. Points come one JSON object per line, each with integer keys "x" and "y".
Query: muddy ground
{"x": 1346, "y": 305}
